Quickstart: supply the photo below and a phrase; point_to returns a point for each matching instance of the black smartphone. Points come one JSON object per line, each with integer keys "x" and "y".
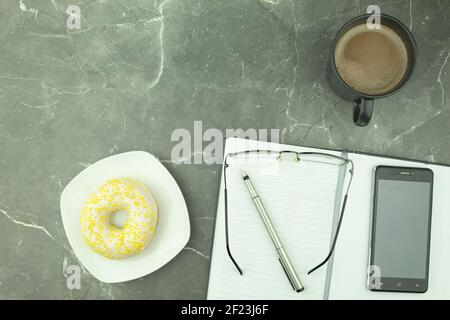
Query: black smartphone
{"x": 400, "y": 229}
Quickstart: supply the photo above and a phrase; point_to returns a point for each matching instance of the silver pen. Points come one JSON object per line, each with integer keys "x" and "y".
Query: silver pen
{"x": 282, "y": 255}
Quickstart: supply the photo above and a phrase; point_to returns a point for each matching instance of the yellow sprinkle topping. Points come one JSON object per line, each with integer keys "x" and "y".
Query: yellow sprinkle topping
{"x": 119, "y": 195}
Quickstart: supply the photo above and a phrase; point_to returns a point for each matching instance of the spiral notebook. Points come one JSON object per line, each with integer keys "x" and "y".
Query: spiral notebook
{"x": 303, "y": 202}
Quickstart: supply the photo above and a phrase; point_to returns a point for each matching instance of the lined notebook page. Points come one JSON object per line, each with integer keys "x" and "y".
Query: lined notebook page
{"x": 300, "y": 200}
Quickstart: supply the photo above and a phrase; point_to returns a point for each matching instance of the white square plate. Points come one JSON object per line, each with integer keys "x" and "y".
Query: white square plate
{"x": 173, "y": 229}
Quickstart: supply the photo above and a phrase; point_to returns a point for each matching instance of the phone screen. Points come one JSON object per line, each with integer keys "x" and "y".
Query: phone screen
{"x": 401, "y": 228}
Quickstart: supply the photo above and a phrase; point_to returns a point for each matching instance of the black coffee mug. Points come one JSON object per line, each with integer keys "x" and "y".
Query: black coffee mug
{"x": 363, "y": 103}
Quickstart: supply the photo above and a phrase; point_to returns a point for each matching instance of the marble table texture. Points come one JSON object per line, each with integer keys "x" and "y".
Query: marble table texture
{"x": 138, "y": 70}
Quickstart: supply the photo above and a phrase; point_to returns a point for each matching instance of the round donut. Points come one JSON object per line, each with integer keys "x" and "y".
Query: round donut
{"x": 116, "y": 195}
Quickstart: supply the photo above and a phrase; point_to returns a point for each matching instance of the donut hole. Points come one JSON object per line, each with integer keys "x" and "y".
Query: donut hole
{"x": 118, "y": 218}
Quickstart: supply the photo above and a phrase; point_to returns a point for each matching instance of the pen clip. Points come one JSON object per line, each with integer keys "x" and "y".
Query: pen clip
{"x": 287, "y": 275}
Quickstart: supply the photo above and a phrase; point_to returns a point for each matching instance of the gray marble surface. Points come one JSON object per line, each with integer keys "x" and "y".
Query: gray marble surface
{"x": 138, "y": 70}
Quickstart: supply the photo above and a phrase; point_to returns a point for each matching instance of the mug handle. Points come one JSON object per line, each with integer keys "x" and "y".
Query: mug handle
{"x": 362, "y": 111}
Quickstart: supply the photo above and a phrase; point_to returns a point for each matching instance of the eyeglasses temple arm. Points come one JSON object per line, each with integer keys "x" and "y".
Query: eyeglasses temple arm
{"x": 334, "y": 240}
{"x": 226, "y": 219}
{"x": 341, "y": 216}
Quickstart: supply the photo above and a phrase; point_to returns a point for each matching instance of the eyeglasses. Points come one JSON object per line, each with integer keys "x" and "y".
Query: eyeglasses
{"x": 316, "y": 157}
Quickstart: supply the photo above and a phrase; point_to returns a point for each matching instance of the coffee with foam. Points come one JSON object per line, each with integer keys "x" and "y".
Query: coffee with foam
{"x": 371, "y": 61}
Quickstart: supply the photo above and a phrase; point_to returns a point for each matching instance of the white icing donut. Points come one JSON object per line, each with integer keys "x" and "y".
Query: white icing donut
{"x": 119, "y": 195}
